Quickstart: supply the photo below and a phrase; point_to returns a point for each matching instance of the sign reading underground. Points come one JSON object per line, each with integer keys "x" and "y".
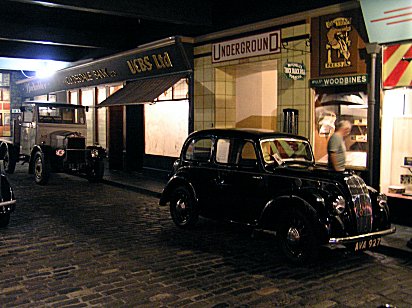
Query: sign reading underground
{"x": 250, "y": 46}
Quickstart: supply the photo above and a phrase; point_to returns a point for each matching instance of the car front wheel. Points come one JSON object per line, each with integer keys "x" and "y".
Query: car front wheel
{"x": 183, "y": 208}
{"x": 297, "y": 237}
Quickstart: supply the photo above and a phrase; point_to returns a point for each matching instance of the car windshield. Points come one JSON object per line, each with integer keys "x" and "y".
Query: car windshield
{"x": 283, "y": 150}
{"x": 64, "y": 115}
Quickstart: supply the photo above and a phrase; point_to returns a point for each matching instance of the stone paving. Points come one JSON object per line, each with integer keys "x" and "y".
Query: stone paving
{"x": 75, "y": 244}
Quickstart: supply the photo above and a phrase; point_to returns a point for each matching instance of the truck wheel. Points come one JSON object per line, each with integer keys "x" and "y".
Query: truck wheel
{"x": 9, "y": 162}
{"x": 297, "y": 237}
{"x": 41, "y": 169}
{"x": 183, "y": 208}
{"x": 4, "y": 220}
{"x": 96, "y": 172}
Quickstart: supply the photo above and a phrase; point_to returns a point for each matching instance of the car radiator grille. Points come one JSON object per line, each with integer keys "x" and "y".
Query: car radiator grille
{"x": 362, "y": 203}
{"x": 76, "y": 150}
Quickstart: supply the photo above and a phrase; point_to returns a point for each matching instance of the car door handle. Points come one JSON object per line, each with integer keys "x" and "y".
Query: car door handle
{"x": 221, "y": 182}
{"x": 257, "y": 177}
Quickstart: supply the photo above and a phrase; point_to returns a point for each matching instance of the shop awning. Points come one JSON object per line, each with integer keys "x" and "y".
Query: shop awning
{"x": 142, "y": 91}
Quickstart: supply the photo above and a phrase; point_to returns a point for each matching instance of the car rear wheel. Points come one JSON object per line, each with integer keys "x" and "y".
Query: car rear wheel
{"x": 183, "y": 208}
{"x": 4, "y": 220}
{"x": 297, "y": 237}
{"x": 41, "y": 169}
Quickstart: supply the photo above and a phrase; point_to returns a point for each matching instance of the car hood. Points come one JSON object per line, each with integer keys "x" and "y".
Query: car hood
{"x": 314, "y": 172}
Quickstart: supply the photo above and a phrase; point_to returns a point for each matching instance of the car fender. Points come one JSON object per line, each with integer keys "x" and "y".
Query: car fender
{"x": 174, "y": 182}
{"x": 272, "y": 214}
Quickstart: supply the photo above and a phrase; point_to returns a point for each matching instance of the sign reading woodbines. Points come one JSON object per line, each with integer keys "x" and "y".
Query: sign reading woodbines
{"x": 245, "y": 47}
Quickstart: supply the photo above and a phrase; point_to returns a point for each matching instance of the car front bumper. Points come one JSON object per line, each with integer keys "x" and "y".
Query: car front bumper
{"x": 355, "y": 238}
{"x": 7, "y": 206}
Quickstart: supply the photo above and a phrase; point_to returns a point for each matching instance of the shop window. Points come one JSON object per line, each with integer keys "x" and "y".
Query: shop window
{"x": 101, "y": 118}
{"x": 166, "y": 127}
{"x": 180, "y": 90}
{"x": 87, "y": 99}
{"x": 4, "y": 104}
{"x": 332, "y": 108}
{"x": 73, "y": 97}
{"x": 396, "y": 144}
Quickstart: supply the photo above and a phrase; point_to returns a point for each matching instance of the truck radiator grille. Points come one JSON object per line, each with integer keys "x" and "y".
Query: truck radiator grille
{"x": 75, "y": 156}
{"x": 76, "y": 143}
{"x": 362, "y": 203}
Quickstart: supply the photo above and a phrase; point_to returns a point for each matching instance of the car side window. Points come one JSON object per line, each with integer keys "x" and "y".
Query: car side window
{"x": 199, "y": 150}
{"x": 28, "y": 114}
{"x": 247, "y": 155}
{"x": 223, "y": 151}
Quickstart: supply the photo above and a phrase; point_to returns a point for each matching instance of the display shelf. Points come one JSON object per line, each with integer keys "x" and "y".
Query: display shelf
{"x": 358, "y": 136}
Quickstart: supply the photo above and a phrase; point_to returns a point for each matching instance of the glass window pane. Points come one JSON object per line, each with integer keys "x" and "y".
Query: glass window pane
{"x": 199, "y": 150}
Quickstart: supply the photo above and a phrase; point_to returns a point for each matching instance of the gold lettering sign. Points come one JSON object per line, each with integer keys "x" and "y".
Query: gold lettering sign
{"x": 338, "y": 42}
{"x": 148, "y": 63}
{"x": 102, "y": 73}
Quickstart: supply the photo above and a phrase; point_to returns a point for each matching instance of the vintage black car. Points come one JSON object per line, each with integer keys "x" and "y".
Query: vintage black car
{"x": 7, "y": 201}
{"x": 269, "y": 181}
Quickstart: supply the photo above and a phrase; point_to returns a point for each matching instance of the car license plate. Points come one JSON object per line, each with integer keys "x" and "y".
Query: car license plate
{"x": 367, "y": 244}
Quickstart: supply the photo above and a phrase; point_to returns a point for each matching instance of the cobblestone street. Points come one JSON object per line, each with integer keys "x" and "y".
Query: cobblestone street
{"x": 76, "y": 244}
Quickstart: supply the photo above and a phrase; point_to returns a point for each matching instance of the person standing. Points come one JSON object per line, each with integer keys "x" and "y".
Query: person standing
{"x": 336, "y": 146}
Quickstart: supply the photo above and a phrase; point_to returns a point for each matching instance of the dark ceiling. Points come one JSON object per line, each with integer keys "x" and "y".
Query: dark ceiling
{"x": 75, "y": 30}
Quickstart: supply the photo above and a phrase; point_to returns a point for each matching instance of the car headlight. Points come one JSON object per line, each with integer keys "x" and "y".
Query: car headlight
{"x": 94, "y": 153}
{"x": 339, "y": 205}
{"x": 382, "y": 200}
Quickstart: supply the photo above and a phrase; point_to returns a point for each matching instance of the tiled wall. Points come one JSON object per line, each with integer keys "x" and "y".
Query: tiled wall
{"x": 215, "y": 93}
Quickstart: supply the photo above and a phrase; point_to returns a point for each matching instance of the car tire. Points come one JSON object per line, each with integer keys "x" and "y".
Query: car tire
{"x": 4, "y": 220}
{"x": 96, "y": 172}
{"x": 297, "y": 237}
{"x": 183, "y": 208}
{"x": 41, "y": 169}
{"x": 9, "y": 162}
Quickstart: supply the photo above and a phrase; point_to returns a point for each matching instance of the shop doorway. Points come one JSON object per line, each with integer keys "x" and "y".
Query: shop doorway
{"x": 116, "y": 137}
{"x": 246, "y": 95}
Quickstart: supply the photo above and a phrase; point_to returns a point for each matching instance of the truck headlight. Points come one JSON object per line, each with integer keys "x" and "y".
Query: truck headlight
{"x": 339, "y": 205}
{"x": 60, "y": 152}
{"x": 94, "y": 153}
{"x": 382, "y": 200}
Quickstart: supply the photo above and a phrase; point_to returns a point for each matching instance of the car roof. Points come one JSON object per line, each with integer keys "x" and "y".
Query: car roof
{"x": 52, "y": 104}
{"x": 248, "y": 133}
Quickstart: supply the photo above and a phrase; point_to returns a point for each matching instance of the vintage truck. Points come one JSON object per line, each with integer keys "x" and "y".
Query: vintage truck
{"x": 51, "y": 137}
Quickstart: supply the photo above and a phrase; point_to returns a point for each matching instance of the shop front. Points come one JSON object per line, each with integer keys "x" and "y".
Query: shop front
{"x": 389, "y": 28}
{"x": 139, "y": 102}
{"x": 339, "y": 83}
{"x": 246, "y": 78}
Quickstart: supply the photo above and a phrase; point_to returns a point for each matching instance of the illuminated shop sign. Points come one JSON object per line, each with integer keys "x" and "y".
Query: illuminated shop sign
{"x": 339, "y": 81}
{"x": 338, "y": 42}
{"x": 132, "y": 65}
{"x": 250, "y": 46}
{"x": 294, "y": 70}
